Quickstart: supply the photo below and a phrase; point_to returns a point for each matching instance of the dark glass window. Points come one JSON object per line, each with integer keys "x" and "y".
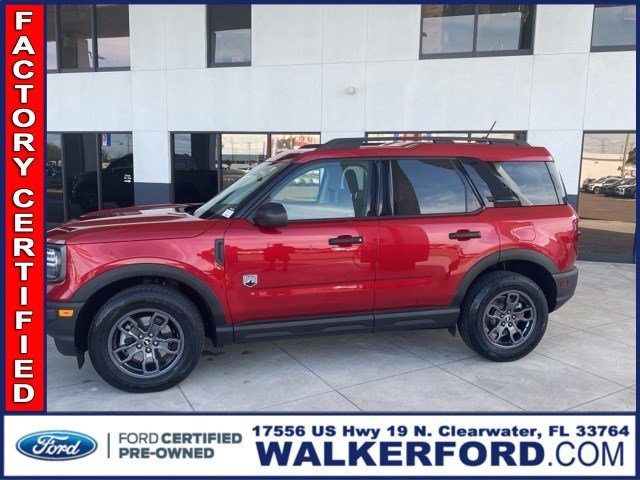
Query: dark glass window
{"x": 614, "y": 27}
{"x": 55, "y": 198}
{"x": 337, "y": 189}
{"x": 195, "y": 173}
{"x": 76, "y": 37}
{"x": 87, "y": 37}
{"x": 429, "y": 186}
{"x": 52, "y": 35}
{"x": 531, "y": 181}
{"x": 607, "y": 196}
{"x": 87, "y": 172}
{"x": 116, "y": 176}
{"x": 229, "y": 34}
{"x": 113, "y": 35}
{"x": 476, "y": 29}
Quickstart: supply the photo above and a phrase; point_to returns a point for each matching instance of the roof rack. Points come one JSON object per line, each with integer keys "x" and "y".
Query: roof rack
{"x": 361, "y": 141}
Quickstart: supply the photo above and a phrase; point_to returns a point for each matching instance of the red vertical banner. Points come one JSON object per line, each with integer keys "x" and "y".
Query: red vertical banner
{"x": 24, "y": 208}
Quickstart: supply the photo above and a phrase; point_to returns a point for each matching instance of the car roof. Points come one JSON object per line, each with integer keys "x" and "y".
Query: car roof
{"x": 486, "y": 149}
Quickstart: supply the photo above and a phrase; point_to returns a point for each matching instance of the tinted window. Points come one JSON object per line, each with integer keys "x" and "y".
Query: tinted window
{"x": 337, "y": 189}
{"x": 52, "y": 33}
{"x": 614, "y": 26}
{"x": 113, "y": 35}
{"x": 229, "y": 34}
{"x": 54, "y": 185}
{"x": 116, "y": 159}
{"x": 470, "y": 29}
{"x": 195, "y": 172}
{"x": 531, "y": 181}
{"x": 426, "y": 186}
{"x": 76, "y": 40}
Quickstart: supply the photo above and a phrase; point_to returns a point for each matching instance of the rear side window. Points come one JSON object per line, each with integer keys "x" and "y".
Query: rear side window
{"x": 516, "y": 183}
{"x": 430, "y": 186}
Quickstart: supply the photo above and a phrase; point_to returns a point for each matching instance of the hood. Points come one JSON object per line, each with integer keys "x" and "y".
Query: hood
{"x": 130, "y": 224}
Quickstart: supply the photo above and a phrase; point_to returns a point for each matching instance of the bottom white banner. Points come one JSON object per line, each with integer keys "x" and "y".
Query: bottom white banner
{"x": 320, "y": 445}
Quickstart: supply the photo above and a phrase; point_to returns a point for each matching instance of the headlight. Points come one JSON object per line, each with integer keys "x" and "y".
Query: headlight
{"x": 55, "y": 263}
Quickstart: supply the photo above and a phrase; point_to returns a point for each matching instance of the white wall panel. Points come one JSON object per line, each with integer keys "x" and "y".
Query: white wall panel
{"x": 245, "y": 98}
{"x": 558, "y": 92}
{"x": 341, "y": 110}
{"x": 563, "y": 29}
{"x": 449, "y": 94}
{"x": 611, "y": 92}
{"x": 186, "y": 27}
{"x": 148, "y": 38}
{"x": 393, "y": 32}
{"x": 152, "y": 159}
{"x": 149, "y": 100}
{"x": 286, "y": 34}
{"x": 89, "y": 101}
{"x": 344, "y": 33}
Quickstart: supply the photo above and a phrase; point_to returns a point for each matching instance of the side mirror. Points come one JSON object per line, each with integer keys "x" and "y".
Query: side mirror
{"x": 272, "y": 215}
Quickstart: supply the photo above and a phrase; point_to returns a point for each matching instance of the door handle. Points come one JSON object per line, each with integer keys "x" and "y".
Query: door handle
{"x": 345, "y": 240}
{"x": 462, "y": 235}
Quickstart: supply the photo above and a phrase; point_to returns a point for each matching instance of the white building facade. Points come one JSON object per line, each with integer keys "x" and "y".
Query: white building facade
{"x": 336, "y": 71}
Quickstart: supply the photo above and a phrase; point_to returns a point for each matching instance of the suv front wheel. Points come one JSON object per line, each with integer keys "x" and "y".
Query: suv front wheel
{"x": 504, "y": 316}
{"x": 146, "y": 338}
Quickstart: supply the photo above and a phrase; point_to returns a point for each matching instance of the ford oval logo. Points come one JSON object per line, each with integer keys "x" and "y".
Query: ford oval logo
{"x": 56, "y": 445}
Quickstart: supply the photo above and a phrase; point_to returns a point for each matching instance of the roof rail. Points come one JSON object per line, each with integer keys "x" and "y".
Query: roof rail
{"x": 357, "y": 142}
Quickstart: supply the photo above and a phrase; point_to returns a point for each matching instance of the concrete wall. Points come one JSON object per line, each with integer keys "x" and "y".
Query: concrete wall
{"x": 305, "y": 56}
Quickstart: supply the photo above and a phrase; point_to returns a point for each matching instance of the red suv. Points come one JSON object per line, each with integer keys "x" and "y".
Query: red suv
{"x": 354, "y": 235}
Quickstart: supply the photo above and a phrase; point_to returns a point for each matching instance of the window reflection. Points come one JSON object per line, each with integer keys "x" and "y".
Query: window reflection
{"x": 449, "y": 29}
{"x": 606, "y": 200}
{"x": 116, "y": 162}
{"x": 230, "y": 33}
{"x": 113, "y": 35}
{"x": 54, "y": 184}
{"x": 195, "y": 174}
{"x": 80, "y": 167}
{"x": 52, "y": 51}
{"x": 614, "y": 26}
{"x": 240, "y": 153}
{"x": 76, "y": 44}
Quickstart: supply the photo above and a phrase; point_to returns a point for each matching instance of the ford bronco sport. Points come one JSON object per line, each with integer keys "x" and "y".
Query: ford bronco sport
{"x": 354, "y": 235}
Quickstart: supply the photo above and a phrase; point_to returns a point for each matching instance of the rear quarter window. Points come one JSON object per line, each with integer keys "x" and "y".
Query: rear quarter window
{"x": 516, "y": 183}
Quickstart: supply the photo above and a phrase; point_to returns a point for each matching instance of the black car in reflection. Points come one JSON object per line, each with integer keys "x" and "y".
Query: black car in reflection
{"x": 612, "y": 189}
{"x": 191, "y": 184}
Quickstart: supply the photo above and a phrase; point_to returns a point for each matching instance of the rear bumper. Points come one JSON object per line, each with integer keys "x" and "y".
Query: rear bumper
{"x": 62, "y": 329}
{"x": 566, "y": 283}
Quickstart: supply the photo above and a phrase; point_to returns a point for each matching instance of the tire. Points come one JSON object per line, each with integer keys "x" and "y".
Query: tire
{"x": 88, "y": 199}
{"x": 164, "y": 359}
{"x": 596, "y": 190}
{"x": 490, "y": 289}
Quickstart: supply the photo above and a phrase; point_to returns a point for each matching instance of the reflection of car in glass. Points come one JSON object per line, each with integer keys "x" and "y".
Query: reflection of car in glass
{"x": 586, "y": 182}
{"x": 117, "y": 185}
{"x": 596, "y": 186}
{"x": 463, "y": 236}
{"x": 610, "y": 190}
{"x": 192, "y": 185}
{"x": 627, "y": 190}
{"x": 54, "y": 176}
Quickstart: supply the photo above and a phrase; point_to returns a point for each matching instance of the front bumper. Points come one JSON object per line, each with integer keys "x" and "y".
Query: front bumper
{"x": 62, "y": 329}
{"x": 566, "y": 283}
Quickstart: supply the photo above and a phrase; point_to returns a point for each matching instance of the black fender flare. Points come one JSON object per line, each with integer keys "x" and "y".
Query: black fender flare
{"x": 223, "y": 330}
{"x": 497, "y": 257}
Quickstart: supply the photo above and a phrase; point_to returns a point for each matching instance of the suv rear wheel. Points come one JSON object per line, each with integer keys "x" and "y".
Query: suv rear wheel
{"x": 504, "y": 316}
{"x": 146, "y": 338}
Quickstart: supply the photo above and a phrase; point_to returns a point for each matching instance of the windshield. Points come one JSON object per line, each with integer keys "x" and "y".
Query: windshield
{"x": 225, "y": 203}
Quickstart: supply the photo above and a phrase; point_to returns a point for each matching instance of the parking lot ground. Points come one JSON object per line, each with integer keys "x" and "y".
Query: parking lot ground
{"x": 586, "y": 361}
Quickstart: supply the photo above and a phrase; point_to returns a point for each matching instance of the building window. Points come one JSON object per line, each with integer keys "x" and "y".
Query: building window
{"x": 87, "y": 172}
{"x": 205, "y": 163}
{"x": 400, "y": 136}
{"x": 229, "y": 28}
{"x": 476, "y": 30}
{"x": 84, "y": 38}
{"x": 614, "y": 28}
{"x": 606, "y": 198}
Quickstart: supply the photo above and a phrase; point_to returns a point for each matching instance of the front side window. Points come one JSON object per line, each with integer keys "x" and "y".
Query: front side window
{"x": 468, "y": 30}
{"x": 87, "y": 37}
{"x": 428, "y": 187}
{"x": 229, "y": 34}
{"x": 614, "y": 27}
{"x": 328, "y": 190}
